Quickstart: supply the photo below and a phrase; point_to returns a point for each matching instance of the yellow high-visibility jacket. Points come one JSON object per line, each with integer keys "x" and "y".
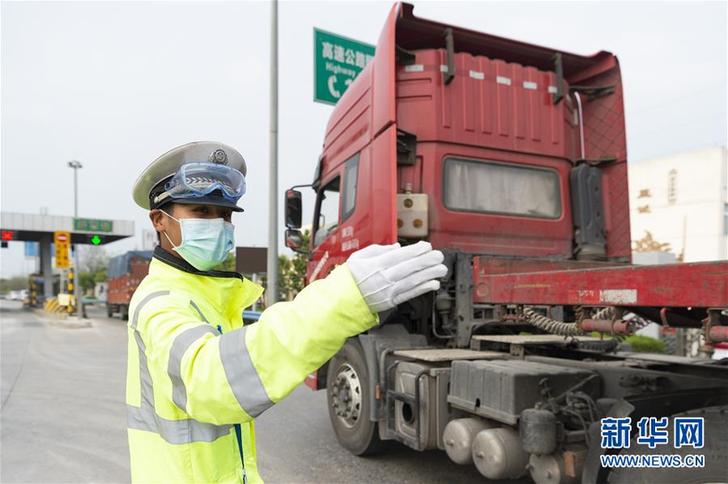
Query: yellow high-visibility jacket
{"x": 196, "y": 377}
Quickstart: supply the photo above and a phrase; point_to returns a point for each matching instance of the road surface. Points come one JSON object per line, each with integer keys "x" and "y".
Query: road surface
{"x": 64, "y": 417}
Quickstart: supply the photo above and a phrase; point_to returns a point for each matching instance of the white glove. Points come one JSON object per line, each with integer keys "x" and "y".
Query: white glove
{"x": 389, "y": 274}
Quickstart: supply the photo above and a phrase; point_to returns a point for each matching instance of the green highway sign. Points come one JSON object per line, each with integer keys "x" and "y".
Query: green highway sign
{"x": 337, "y": 62}
{"x": 93, "y": 225}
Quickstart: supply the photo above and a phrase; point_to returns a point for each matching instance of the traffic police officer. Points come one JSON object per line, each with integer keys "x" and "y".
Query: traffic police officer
{"x": 196, "y": 377}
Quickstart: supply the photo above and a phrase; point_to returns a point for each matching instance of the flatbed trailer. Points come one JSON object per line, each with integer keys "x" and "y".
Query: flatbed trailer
{"x": 510, "y": 158}
{"x": 676, "y": 295}
{"x": 701, "y": 285}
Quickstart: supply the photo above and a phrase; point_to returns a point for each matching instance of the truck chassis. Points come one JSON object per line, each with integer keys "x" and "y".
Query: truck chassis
{"x": 513, "y": 363}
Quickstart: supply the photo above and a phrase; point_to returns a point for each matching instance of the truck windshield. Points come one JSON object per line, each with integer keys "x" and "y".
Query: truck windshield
{"x": 480, "y": 186}
{"x": 328, "y": 211}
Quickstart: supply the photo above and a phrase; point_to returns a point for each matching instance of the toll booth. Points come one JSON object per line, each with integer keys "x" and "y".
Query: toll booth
{"x": 36, "y": 289}
{"x": 63, "y": 232}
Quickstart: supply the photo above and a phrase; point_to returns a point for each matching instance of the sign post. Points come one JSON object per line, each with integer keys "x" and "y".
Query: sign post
{"x": 337, "y": 62}
{"x": 62, "y": 241}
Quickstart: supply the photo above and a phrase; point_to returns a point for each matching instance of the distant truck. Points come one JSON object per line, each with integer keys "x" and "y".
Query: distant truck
{"x": 125, "y": 272}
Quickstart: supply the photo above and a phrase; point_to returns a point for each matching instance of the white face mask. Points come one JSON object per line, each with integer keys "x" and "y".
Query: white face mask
{"x": 205, "y": 242}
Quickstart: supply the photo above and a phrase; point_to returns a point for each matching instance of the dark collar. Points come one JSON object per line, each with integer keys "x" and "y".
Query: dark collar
{"x": 183, "y": 265}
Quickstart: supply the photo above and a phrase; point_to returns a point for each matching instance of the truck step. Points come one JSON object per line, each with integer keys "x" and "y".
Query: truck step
{"x": 448, "y": 354}
{"x": 515, "y": 343}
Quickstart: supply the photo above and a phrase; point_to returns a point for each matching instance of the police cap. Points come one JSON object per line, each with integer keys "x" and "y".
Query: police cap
{"x": 151, "y": 183}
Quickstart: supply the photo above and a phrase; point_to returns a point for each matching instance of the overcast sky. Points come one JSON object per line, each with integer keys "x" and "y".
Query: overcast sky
{"x": 114, "y": 85}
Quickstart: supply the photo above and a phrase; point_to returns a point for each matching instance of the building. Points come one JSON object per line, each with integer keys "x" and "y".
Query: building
{"x": 679, "y": 205}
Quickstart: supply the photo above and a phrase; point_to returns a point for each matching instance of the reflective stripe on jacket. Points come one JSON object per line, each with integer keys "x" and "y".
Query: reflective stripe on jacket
{"x": 195, "y": 373}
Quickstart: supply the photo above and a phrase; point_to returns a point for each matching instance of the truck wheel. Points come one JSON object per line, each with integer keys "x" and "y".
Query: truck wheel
{"x": 347, "y": 395}
{"x": 714, "y": 450}
{"x": 124, "y": 310}
{"x": 109, "y": 311}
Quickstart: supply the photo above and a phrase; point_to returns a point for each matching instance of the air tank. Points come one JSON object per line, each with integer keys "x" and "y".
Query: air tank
{"x": 498, "y": 454}
{"x": 459, "y": 435}
{"x": 549, "y": 469}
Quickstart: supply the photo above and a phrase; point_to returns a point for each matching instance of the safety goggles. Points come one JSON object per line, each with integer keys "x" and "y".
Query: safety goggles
{"x": 200, "y": 179}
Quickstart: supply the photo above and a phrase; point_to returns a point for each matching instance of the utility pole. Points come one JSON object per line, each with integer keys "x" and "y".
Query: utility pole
{"x": 272, "y": 266}
{"x": 76, "y": 165}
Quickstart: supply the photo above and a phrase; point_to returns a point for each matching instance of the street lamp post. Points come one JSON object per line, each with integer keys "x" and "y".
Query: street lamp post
{"x": 75, "y": 164}
{"x": 272, "y": 262}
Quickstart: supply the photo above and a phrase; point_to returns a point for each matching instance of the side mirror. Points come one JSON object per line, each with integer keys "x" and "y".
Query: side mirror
{"x": 293, "y": 210}
{"x": 294, "y": 241}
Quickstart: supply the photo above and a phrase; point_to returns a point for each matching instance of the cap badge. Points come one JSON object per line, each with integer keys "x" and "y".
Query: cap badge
{"x": 218, "y": 156}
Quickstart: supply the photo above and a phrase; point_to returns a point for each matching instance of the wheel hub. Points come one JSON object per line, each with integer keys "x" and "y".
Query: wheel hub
{"x": 346, "y": 395}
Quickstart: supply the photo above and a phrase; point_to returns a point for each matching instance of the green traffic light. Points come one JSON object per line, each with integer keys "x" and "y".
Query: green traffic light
{"x": 96, "y": 240}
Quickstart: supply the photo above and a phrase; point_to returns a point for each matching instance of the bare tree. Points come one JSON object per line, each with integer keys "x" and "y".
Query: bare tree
{"x": 93, "y": 258}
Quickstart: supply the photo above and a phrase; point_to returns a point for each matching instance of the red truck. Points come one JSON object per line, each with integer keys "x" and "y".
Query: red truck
{"x": 511, "y": 159}
{"x": 125, "y": 272}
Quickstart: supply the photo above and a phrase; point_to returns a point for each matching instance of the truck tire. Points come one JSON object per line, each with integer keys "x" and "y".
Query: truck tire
{"x": 124, "y": 310}
{"x": 109, "y": 311}
{"x": 715, "y": 451}
{"x": 347, "y": 396}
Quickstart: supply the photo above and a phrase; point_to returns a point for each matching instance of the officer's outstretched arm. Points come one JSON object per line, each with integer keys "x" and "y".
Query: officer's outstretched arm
{"x": 294, "y": 338}
{"x": 235, "y": 376}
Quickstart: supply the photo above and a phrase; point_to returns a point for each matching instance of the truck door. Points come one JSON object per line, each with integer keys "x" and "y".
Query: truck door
{"x": 325, "y": 232}
{"x": 356, "y": 202}
{"x": 355, "y": 205}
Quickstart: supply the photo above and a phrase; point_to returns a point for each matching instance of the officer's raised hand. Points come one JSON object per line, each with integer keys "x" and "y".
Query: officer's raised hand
{"x": 388, "y": 275}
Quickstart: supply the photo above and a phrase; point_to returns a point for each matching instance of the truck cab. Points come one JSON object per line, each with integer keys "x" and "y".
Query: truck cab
{"x": 475, "y": 143}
